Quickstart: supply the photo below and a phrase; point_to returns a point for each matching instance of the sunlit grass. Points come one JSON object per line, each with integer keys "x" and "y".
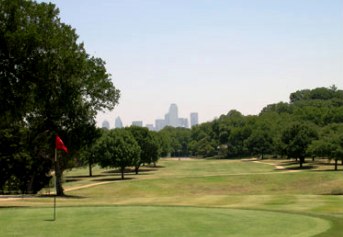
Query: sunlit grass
{"x": 157, "y": 221}
{"x": 199, "y": 183}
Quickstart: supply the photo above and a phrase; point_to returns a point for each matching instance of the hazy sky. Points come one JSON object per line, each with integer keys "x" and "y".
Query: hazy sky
{"x": 209, "y": 56}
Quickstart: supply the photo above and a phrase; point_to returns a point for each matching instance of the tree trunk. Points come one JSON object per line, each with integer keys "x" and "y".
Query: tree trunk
{"x": 122, "y": 172}
{"x": 301, "y": 161}
{"x": 90, "y": 164}
{"x": 137, "y": 169}
{"x": 336, "y": 163}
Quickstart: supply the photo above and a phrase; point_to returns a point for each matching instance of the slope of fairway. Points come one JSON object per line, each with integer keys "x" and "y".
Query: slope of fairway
{"x": 156, "y": 221}
{"x": 185, "y": 198}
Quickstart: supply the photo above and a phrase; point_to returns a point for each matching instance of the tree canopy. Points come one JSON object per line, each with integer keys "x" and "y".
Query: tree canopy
{"x": 117, "y": 148}
{"x": 49, "y": 84}
{"x": 308, "y": 125}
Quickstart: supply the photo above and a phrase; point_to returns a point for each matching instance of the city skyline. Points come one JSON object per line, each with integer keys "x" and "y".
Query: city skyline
{"x": 209, "y": 56}
{"x": 171, "y": 118}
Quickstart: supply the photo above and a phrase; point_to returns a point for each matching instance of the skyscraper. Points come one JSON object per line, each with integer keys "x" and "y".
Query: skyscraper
{"x": 194, "y": 119}
{"x": 173, "y": 116}
{"x": 160, "y": 124}
{"x": 105, "y": 124}
{"x": 118, "y": 123}
{"x": 183, "y": 122}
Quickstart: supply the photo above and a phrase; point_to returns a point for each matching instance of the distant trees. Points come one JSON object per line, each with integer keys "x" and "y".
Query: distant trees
{"x": 259, "y": 142}
{"x": 309, "y": 125}
{"x": 177, "y": 139}
{"x": 293, "y": 130}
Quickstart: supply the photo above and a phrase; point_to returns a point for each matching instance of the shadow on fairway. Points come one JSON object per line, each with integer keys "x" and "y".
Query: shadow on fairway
{"x": 9, "y": 207}
{"x": 112, "y": 179}
{"x": 65, "y": 196}
{"x": 79, "y": 177}
{"x": 305, "y": 167}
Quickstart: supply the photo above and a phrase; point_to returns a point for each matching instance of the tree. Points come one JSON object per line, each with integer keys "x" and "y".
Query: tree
{"x": 117, "y": 148}
{"x": 148, "y": 145}
{"x": 87, "y": 153}
{"x": 259, "y": 142}
{"x": 296, "y": 139}
{"x": 178, "y": 138}
{"x": 329, "y": 144}
{"x": 48, "y": 82}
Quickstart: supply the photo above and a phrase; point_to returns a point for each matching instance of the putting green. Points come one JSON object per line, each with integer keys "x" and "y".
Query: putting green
{"x": 156, "y": 221}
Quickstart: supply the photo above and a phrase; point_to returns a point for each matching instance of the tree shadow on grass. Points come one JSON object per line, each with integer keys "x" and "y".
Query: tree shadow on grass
{"x": 76, "y": 178}
{"x": 127, "y": 171}
{"x": 305, "y": 167}
{"x": 79, "y": 177}
{"x": 331, "y": 169}
{"x": 112, "y": 179}
{"x": 65, "y": 196}
{"x": 9, "y": 207}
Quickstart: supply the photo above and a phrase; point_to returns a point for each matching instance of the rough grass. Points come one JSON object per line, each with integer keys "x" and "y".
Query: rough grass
{"x": 196, "y": 183}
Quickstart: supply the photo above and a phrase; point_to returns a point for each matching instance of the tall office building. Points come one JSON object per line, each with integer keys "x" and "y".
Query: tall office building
{"x": 194, "y": 119}
{"x": 183, "y": 122}
{"x": 160, "y": 124}
{"x": 166, "y": 119}
{"x": 173, "y": 116}
{"x": 118, "y": 123}
{"x": 105, "y": 124}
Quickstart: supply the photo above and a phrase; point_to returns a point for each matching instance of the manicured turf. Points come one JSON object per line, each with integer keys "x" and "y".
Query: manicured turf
{"x": 157, "y": 221}
{"x": 242, "y": 198}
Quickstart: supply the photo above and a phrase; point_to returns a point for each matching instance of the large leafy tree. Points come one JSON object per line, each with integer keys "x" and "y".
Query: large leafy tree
{"x": 148, "y": 144}
{"x": 117, "y": 148}
{"x": 48, "y": 82}
{"x": 296, "y": 139}
{"x": 329, "y": 144}
{"x": 259, "y": 142}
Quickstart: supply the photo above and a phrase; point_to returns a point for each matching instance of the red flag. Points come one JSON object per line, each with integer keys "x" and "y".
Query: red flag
{"x": 60, "y": 145}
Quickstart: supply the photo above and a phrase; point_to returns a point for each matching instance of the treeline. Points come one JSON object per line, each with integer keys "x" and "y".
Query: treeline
{"x": 309, "y": 125}
{"x": 50, "y": 85}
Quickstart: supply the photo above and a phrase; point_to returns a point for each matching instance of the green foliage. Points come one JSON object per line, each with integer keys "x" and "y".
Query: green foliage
{"x": 148, "y": 145}
{"x": 329, "y": 143}
{"x": 117, "y": 148}
{"x": 87, "y": 153}
{"x": 296, "y": 139}
{"x": 178, "y": 139}
{"x": 236, "y": 135}
{"x": 259, "y": 142}
{"x": 48, "y": 84}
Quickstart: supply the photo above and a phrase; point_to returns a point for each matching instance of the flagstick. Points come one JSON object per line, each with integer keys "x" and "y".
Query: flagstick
{"x": 55, "y": 185}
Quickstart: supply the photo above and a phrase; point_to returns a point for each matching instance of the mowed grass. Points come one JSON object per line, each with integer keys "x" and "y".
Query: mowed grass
{"x": 179, "y": 190}
{"x": 158, "y": 221}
